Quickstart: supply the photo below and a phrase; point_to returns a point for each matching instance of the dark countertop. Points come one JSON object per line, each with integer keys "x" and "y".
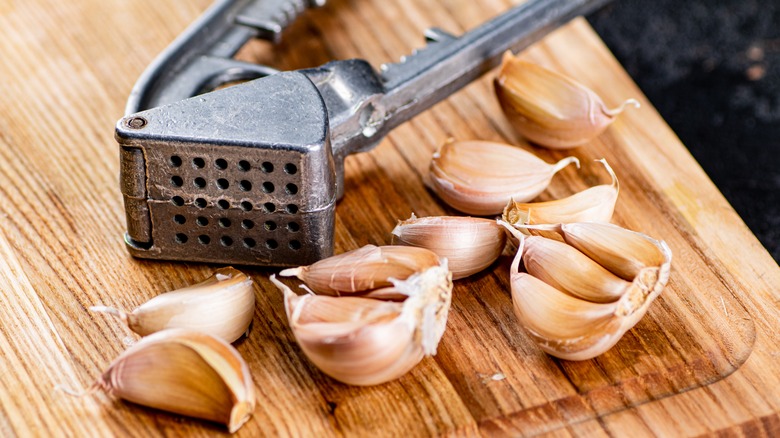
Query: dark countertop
{"x": 712, "y": 69}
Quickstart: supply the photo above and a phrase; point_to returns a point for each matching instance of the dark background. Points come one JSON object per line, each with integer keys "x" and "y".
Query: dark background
{"x": 712, "y": 69}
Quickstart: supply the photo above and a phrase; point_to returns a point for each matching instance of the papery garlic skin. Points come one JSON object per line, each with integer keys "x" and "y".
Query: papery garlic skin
{"x": 551, "y": 109}
{"x": 223, "y": 305}
{"x": 362, "y": 341}
{"x": 185, "y": 372}
{"x": 594, "y": 204}
{"x": 469, "y": 244}
{"x": 364, "y": 269}
{"x": 480, "y": 177}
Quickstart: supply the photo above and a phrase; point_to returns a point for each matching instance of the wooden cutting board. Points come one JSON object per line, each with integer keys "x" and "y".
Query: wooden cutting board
{"x": 704, "y": 358}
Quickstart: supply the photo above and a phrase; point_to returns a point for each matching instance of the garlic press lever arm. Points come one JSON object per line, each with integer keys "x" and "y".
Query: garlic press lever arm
{"x": 376, "y": 102}
{"x": 200, "y": 59}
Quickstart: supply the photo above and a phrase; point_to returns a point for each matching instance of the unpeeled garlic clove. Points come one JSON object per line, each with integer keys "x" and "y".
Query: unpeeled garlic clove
{"x": 362, "y": 341}
{"x": 573, "y": 328}
{"x": 480, "y": 177}
{"x": 469, "y": 244}
{"x": 567, "y": 269}
{"x": 624, "y": 252}
{"x": 222, "y": 305}
{"x": 367, "y": 268}
{"x": 562, "y": 325}
{"x": 595, "y": 204}
{"x": 185, "y": 372}
{"x": 551, "y": 109}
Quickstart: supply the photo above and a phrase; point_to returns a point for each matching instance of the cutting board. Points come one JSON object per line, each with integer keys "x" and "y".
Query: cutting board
{"x": 67, "y": 70}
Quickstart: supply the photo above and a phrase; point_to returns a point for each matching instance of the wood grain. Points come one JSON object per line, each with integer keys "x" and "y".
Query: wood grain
{"x": 704, "y": 359}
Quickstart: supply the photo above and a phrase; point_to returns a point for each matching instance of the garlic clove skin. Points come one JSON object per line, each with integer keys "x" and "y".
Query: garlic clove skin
{"x": 362, "y": 341}
{"x": 481, "y": 177}
{"x": 595, "y": 204}
{"x": 469, "y": 244}
{"x": 364, "y": 269}
{"x": 223, "y": 305}
{"x": 185, "y": 372}
{"x": 550, "y": 109}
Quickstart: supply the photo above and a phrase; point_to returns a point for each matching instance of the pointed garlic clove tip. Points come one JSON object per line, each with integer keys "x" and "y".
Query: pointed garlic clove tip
{"x": 469, "y": 244}
{"x": 119, "y": 314}
{"x": 299, "y": 272}
{"x": 222, "y": 305}
{"x": 364, "y": 269}
{"x": 616, "y": 111}
{"x": 551, "y": 109}
{"x": 480, "y": 177}
{"x": 184, "y": 372}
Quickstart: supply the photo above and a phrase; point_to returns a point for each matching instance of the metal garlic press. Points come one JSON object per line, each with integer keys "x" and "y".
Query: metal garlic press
{"x": 250, "y": 174}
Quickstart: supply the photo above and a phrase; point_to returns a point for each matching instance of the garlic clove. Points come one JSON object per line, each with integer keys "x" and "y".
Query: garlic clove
{"x": 367, "y": 346}
{"x": 573, "y": 328}
{"x": 624, "y": 252}
{"x": 222, "y": 305}
{"x": 551, "y": 109}
{"x": 595, "y": 204}
{"x": 363, "y": 269}
{"x": 567, "y": 269}
{"x": 480, "y": 177}
{"x": 469, "y": 244}
{"x": 361, "y": 341}
{"x": 562, "y": 325}
{"x": 185, "y": 372}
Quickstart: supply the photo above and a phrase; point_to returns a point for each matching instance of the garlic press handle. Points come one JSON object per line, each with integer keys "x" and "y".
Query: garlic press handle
{"x": 200, "y": 59}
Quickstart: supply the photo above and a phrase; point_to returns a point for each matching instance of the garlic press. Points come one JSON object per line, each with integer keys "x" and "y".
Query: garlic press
{"x": 250, "y": 174}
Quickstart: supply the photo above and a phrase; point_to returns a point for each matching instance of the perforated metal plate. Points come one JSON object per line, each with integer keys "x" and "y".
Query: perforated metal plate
{"x": 235, "y": 182}
{"x": 232, "y": 206}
